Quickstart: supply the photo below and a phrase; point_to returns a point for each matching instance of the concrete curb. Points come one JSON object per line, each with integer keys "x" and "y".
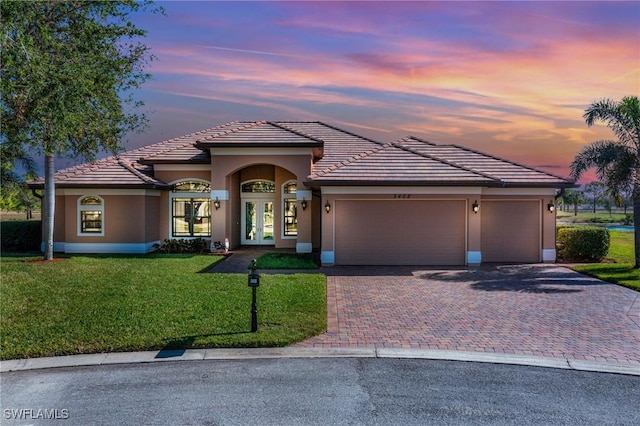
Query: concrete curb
{"x": 296, "y": 352}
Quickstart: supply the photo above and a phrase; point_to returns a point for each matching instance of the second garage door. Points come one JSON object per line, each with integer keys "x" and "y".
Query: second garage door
{"x": 511, "y": 231}
{"x": 400, "y": 232}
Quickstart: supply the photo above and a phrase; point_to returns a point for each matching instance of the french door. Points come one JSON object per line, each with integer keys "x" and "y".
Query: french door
{"x": 257, "y": 220}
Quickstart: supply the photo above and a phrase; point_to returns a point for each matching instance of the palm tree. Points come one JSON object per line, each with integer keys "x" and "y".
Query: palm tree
{"x": 617, "y": 163}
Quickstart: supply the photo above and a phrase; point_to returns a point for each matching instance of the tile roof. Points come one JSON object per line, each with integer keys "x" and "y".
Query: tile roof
{"x": 112, "y": 171}
{"x": 392, "y": 165}
{"x": 339, "y": 145}
{"x": 501, "y": 170}
{"x": 133, "y": 168}
{"x": 258, "y": 133}
{"x": 347, "y": 159}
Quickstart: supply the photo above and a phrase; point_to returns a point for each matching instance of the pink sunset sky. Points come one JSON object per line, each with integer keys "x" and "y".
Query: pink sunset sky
{"x": 509, "y": 78}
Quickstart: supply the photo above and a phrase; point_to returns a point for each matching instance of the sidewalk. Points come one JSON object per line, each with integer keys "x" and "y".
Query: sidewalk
{"x": 299, "y": 352}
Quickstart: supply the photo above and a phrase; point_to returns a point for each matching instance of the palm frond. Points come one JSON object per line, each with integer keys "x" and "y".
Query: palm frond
{"x": 615, "y": 163}
{"x": 622, "y": 117}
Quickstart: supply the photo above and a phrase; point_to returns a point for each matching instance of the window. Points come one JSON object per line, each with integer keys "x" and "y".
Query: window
{"x": 191, "y": 217}
{"x": 289, "y": 216}
{"x": 191, "y": 186}
{"x": 258, "y": 186}
{"x": 90, "y": 215}
{"x": 191, "y": 209}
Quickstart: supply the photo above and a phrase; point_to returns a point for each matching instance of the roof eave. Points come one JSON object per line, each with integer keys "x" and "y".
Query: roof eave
{"x": 37, "y": 185}
{"x": 318, "y": 183}
{"x": 206, "y": 146}
{"x": 147, "y": 162}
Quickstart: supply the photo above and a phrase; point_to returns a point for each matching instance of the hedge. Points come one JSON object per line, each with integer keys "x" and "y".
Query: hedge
{"x": 582, "y": 243}
{"x": 196, "y": 245}
{"x": 20, "y": 235}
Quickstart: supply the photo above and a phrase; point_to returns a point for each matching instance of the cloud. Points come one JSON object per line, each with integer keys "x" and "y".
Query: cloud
{"x": 513, "y": 75}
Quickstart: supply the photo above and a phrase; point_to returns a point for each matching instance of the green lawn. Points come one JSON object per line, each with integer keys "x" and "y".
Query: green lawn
{"x": 286, "y": 261}
{"x": 92, "y": 304}
{"x": 618, "y": 266}
{"x": 590, "y": 217}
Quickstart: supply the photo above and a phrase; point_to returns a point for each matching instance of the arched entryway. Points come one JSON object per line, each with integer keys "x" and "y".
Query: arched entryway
{"x": 258, "y": 199}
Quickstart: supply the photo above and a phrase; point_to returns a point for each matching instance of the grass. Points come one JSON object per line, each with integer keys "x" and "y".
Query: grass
{"x": 286, "y": 261}
{"x": 590, "y": 217}
{"x": 618, "y": 266}
{"x": 93, "y": 304}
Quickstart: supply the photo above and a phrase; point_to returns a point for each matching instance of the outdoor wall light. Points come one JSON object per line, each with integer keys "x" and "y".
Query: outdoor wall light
{"x": 304, "y": 204}
{"x": 475, "y": 206}
{"x": 216, "y": 203}
{"x": 327, "y": 207}
{"x": 550, "y": 206}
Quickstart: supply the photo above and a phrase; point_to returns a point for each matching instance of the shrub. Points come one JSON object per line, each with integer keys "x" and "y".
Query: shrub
{"x": 20, "y": 235}
{"x": 195, "y": 245}
{"x": 628, "y": 219}
{"x": 582, "y": 243}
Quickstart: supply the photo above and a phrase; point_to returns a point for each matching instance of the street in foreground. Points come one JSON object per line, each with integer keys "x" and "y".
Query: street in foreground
{"x": 318, "y": 391}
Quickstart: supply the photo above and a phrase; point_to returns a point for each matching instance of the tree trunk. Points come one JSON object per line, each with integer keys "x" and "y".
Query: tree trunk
{"x": 49, "y": 205}
{"x": 636, "y": 222}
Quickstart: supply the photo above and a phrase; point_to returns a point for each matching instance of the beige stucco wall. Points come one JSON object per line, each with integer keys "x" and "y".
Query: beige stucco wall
{"x": 171, "y": 176}
{"x": 152, "y": 218}
{"x": 131, "y": 218}
{"x": 124, "y": 217}
{"x": 59, "y": 224}
{"x": 227, "y": 174}
{"x": 163, "y": 216}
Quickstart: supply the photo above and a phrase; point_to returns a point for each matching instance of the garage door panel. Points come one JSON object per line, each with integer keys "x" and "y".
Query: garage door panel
{"x": 402, "y": 232}
{"x": 511, "y": 231}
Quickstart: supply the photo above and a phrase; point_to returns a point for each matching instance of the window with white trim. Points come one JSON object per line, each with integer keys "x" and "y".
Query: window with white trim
{"x": 289, "y": 210}
{"x": 91, "y": 215}
{"x": 191, "y": 209}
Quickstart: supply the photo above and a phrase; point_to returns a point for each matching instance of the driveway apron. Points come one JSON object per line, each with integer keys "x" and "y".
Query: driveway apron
{"x": 538, "y": 310}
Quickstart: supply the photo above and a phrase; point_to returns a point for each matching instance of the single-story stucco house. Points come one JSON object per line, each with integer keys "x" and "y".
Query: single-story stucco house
{"x": 310, "y": 186}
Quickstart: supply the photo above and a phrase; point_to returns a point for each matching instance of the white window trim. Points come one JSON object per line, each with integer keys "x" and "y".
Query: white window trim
{"x": 173, "y": 194}
{"x": 91, "y": 207}
{"x": 282, "y": 209}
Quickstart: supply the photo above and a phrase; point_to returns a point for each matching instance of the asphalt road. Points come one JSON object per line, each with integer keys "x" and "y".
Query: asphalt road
{"x": 323, "y": 391}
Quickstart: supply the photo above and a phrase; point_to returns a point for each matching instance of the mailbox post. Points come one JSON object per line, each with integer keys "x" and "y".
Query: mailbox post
{"x": 254, "y": 282}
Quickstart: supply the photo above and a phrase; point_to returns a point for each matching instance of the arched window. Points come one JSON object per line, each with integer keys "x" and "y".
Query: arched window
{"x": 91, "y": 215}
{"x": 191, "y": 186}
{"x": 289, "y": 209}
{"x": 259, "y": 186}
{"x": 191, "y": 209}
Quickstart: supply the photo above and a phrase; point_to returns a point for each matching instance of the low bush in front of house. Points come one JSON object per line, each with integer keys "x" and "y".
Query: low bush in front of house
{"x": 113, "y": 303}
{"x": 582, "y": 243}
{"x": 618, "y": 267}
{"x": 19, "y": 236}
{"x": 193, "y": 245}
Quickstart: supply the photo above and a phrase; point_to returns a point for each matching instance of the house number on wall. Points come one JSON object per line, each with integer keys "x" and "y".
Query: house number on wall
{"x": 401, "y": 195}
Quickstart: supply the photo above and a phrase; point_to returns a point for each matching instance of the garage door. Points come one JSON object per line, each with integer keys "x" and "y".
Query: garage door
{"x": 400, "y": 232}
{"x": 511, "y": 231}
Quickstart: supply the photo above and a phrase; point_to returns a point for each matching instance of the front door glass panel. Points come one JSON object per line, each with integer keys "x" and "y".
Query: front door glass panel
{"x": 258, "y": 220}
{"x": 251, "y": 223}
{"x": 267, "y": 220}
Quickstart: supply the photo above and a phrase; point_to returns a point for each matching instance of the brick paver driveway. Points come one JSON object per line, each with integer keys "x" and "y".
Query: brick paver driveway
{"x": 540, "y": 310}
